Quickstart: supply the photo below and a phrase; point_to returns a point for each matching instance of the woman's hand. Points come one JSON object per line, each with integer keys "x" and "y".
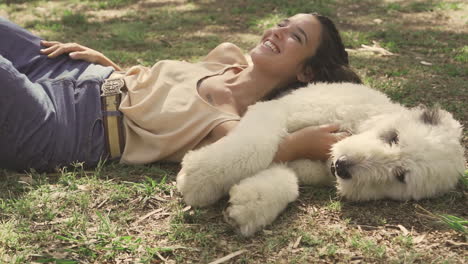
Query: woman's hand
{"x": 313, "y": 142}
{"x": 76, "y": 52}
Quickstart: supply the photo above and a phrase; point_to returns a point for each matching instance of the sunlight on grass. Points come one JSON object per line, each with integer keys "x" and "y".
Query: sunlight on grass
{"x": 462, "y": 55}
{"x": 73, "y": 19}
{"x": 354, "y": 39}
{"x": 367, "y": 246}
{"x": 335, "y": 206}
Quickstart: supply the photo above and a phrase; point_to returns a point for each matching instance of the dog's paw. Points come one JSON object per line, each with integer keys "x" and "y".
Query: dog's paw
{"x": 244, "y": 218}
{"x": 256, "y": 201}
{"x": 197, "y": 192}
{"x": 248, "y": 211}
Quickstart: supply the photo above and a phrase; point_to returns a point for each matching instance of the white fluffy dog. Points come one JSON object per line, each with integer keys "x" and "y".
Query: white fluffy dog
{"x": 394, "y": 152}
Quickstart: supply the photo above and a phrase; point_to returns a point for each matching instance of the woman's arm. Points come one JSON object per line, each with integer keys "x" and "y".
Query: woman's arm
{"x": 313, "y": 142}
{"x": 76, "y": 52}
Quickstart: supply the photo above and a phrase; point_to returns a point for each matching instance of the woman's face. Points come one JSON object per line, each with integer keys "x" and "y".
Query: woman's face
{"x": 284, "y": 48}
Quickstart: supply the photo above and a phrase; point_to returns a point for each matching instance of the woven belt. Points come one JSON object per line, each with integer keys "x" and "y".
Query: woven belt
{"x": 111, "y": 95}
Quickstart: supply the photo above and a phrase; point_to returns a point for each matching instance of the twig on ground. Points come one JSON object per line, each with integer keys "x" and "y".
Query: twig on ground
{"x": 161, "y": 257}
{"x": 457, "y": 244}
{"x": 368, "y": 227}
{"x": 102, "y": 203}
{"x": 425, "y": 210}
{"x": 228, "y": 257}
{"x": 147, "y": 215}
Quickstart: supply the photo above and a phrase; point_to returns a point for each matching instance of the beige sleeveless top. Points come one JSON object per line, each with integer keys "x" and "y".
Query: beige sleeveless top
{"x": 164, "y": 116}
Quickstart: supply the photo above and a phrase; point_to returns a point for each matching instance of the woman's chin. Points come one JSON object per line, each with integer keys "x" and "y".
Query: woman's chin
{"x": 260, "y": 57}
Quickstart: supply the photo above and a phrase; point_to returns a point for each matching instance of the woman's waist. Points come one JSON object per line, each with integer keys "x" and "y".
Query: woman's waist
{"x": 112, "y": 91}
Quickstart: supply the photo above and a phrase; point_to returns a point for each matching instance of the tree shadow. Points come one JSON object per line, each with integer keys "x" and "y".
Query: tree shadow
{"x": 14, "y": 185}
{"x": 411, "y": 214}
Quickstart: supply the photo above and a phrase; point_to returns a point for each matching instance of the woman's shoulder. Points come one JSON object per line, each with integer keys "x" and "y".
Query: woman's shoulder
{"x": 226, "y": 53}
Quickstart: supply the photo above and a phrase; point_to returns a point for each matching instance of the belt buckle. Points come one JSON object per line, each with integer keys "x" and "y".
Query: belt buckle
{"x": 112, "y": 87}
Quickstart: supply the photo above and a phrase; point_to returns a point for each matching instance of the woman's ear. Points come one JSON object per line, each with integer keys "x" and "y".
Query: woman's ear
{"x": 306, "y": 75}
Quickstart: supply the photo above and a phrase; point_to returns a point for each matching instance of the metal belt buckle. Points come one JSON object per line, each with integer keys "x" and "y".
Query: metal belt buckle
{"x": 112, "y": 87}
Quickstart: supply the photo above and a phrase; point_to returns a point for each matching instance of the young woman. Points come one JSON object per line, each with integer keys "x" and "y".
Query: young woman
{"x": 52, "y": 112}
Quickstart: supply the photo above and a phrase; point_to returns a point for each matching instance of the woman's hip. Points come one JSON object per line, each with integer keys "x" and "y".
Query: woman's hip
{"x": 49, "y": 123}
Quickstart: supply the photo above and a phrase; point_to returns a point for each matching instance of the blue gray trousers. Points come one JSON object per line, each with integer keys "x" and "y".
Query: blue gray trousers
{"x": 50, "y": 110}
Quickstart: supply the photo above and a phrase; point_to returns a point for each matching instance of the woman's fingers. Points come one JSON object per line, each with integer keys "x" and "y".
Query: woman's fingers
{"x": 64, "y": 48}
{"x": 55, "y": 48}
{"x": 57, "y": 52}
{"x": 49, "y": 49}
{"x": 75, "y": 51}
{"x": 336, "y": 130}
{"x": 341, "y": 135}
{"x": 79, "y": 55}
{"x": 331, "y": 128}
{"x": 46, "y": 43}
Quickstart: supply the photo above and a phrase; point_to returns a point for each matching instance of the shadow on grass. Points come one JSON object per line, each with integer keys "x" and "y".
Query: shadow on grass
{"x": 410, "y": 214}
{"x": 414, "y": 215}
{"x": 14, "y": 185}
{"x": 387, "y": 212}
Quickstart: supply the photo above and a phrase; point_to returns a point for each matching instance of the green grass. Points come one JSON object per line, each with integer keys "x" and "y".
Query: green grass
{"x": 101, "y": 215}
{"x": 368, "y": 246}
{"x": 423, "y": 6}
{"x": 456, "y": 223}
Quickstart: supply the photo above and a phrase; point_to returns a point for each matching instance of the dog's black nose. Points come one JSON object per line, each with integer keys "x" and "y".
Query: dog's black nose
{"x": 340, "y": 168}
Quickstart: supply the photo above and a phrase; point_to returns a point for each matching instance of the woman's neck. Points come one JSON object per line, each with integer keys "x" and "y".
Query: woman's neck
{"x": 251, "y": 85}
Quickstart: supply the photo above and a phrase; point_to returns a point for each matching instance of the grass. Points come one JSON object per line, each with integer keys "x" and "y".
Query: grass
{"x": 456, "y": 223}
{"x": 133, "y": 214}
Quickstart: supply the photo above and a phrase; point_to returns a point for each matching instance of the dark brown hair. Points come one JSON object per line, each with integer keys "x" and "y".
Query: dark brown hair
{"x": 329, "y": 63}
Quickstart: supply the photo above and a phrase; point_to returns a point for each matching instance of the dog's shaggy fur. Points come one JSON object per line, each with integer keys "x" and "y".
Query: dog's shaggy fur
{"x": 394, "y": 152}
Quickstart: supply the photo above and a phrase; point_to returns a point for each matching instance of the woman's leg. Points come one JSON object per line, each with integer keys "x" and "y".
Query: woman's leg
{"x": 27, "y": 121}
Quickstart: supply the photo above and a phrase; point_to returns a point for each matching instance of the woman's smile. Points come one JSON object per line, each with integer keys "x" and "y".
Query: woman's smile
{"x": 272, "y": 46}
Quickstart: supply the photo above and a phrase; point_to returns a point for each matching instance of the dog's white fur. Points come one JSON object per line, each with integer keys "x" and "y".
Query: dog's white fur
{"x": 394, "y": 152}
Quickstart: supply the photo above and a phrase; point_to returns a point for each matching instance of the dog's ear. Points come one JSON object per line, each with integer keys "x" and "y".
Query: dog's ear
{"x": 430, "y": 116}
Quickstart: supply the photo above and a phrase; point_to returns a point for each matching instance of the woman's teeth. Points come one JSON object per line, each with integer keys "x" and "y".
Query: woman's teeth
{"x": 271, "y": 46}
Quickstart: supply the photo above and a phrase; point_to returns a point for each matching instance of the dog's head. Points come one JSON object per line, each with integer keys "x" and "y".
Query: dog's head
{"x": 412, "y": 154}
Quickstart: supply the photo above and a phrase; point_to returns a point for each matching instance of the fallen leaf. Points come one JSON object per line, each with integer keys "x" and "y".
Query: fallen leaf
{"x": 296, "y": 244}
{"x": 26, "y": 179}
{"x": 376, "y": 48}
{"x": 404, "y": 230}
{"x": 322, "y": 251}
{"x": 419, "y": 239}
